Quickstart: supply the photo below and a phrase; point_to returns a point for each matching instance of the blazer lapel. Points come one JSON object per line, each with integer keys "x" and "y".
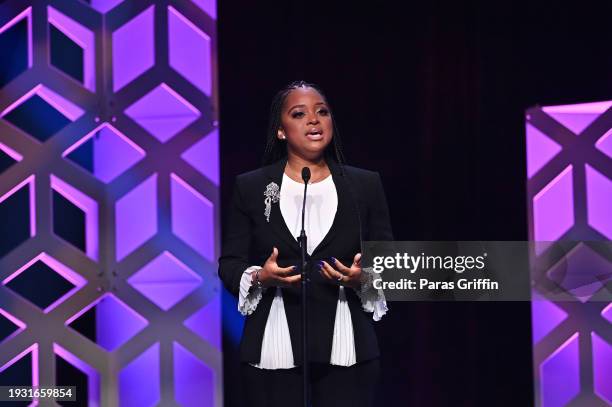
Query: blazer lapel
{"x": 274, "y": 174}
{"x": 345, "y": 204}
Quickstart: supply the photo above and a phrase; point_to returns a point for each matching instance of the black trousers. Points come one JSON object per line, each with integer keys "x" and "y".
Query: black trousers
{"x": 336, "y": 386}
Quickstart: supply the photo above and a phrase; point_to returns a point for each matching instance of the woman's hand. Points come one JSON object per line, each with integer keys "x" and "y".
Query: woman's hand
{"x": 348, "y": 276}
{"x": 273, "y": 275}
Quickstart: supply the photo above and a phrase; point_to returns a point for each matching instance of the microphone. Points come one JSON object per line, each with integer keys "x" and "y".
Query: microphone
{"x": 305, "y": 178}
{"x": 306, "y": 174}
{"x": 304, "y": 292}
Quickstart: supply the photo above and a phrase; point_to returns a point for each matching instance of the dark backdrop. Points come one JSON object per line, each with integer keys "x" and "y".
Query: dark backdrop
{"x": 432, "y": 95}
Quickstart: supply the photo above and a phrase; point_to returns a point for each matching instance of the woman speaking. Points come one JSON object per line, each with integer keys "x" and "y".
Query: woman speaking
{"x": 260, "y": 261}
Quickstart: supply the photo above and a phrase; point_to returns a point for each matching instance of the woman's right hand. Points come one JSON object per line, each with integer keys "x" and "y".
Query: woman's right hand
{"x": 273, "y": 275}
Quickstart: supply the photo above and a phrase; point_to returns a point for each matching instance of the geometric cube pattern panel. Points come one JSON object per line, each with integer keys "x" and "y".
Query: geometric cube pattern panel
{"x": 569, "y": 192}
{"x": 109, "y": 177}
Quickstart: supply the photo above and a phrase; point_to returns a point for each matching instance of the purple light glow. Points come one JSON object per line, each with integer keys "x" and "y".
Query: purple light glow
{"x": 104, "y": 5}
{"x": 548, "y": 315}
{"x": 192, "y": 217}
{"x": 136, "y": 217}
{"x": 116, "y": 322}
{"x": 605, "y": 143}
{"x": 540, "y": 150}
{"x": 602, "y": 367}
{"x": 27, "y": 13}
{"x": 559, "y": 373}
{"x": 10, "y": 152}
{"x": 204, "y": 157}
{"x": 73, "y": 277}
{"x": 189, "y": 50}
{"x": 87, "y": 205}
{"x": 165, "y": 280}
{"x": 163, "y": 112}
{"x": 577, "y": 117}
{"x": 553, "y": 208}
{"x": 599, "y": 201}
{"x": 93, "y": 377}
{"x": 133, "y": 49}
{"x": 190, "y": 373}
{"x": 139, "y": 381}
{"x": 207, "y": 322}
{"x": 607, "y": 313}
{"x": 109, "y": 142}
{"x": 81, "y": 36}
{"x": 209, "y": 7}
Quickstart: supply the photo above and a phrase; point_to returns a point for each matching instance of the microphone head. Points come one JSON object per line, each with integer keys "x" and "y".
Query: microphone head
{"x": 306, "y": 174}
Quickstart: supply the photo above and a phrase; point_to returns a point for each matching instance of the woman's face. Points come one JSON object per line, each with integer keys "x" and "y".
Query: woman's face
{"x": 306, "y": 123}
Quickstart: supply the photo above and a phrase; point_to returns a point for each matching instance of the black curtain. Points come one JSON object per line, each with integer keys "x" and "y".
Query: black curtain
{"x": 432, "y": 95}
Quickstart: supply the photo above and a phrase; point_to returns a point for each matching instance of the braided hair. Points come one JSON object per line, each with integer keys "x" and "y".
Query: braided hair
{"x": 277, "y": 149}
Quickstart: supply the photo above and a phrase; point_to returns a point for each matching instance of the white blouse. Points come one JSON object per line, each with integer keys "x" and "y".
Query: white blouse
{"x": 321, "y": 206}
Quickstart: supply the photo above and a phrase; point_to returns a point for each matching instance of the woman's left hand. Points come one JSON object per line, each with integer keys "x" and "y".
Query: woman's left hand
{"x": 348, "y": 276}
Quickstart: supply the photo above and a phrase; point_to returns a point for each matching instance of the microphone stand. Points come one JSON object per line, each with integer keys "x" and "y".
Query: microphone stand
{"x": 303, "y": 246}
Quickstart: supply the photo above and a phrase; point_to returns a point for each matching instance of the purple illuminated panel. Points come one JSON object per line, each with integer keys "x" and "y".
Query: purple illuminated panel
{"x": 116, "y": 322}
{"x": 168, "y": 91}
{"x": 577, "y": 117}
{"x": 83, "y": 37}
{"x": 607, "y": 313}
{"x": 573, "y": 206}
{"x": 553, "y": 208}
{"x": 560, "y": 380}
{"x": 113, "y": 152}
{"x": 207, "y": 322}
{"x": 163, "y": 112}
{"x": 192, "y": 217}
{"x": 139, "y": 380}
{"x": 605, "y": 143}
{"x": 133, "y": 49}
{"x": 104, "y": 5}
{"x": 165, "y": 280}
{"x": 599, "y": 201}
{"x": 209, "y": 6}
{"x": 548, "y": 315}
{"x": 540, "y": 150}
{"x": 189, "y": 50}
{"x": 136, "y": 217}
{"x": 93, "y": 377}
{"x": 204, "y": 157}
{"x": 189, "y": 374}
{"x": 87, "y": 205}
{"x": 602, "y": 367}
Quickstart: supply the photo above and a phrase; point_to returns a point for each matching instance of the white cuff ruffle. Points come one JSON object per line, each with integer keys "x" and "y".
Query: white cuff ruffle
{"x": 247, "y": 301}
{"x": 372, "y": 299}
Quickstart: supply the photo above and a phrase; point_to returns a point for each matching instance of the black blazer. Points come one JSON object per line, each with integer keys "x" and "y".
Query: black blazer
{"x": 248, "y": 239}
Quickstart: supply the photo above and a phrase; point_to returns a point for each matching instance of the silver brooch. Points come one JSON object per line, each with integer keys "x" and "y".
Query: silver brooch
{"x": 272, "y": 195}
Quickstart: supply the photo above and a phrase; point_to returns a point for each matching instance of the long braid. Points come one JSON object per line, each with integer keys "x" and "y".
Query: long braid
{"x": 275, "y": 149}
